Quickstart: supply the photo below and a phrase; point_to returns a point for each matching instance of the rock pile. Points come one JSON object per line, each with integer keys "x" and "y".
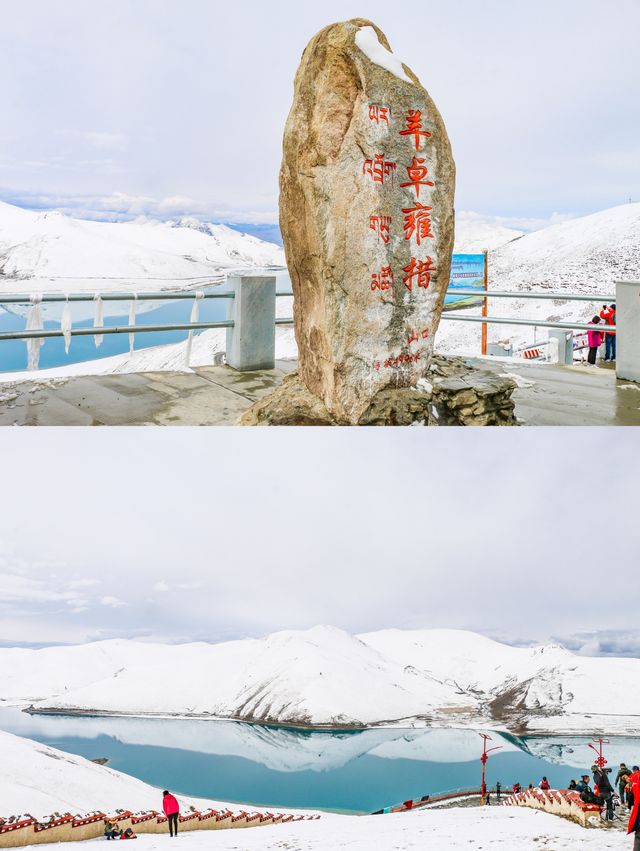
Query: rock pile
{"x": 451, "y": 393}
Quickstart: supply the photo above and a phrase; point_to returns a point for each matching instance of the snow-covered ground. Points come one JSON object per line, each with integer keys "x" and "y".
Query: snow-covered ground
{"x": 52, "y": 252}
{"x": 325, "y": 676}
{"x": 40, "y": 780}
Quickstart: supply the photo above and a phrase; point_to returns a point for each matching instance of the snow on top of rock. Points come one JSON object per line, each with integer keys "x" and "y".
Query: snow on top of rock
{"x": 368, "y": 42}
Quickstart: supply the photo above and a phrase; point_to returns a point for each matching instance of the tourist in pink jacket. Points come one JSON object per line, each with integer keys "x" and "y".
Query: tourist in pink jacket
{"x": 595, "y": 339}
{"x": 171, "y": 809}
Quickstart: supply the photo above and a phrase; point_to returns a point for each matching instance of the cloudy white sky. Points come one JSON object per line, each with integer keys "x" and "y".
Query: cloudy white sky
{"x": 179, "y": 535}
{"x": 165, "y": 108}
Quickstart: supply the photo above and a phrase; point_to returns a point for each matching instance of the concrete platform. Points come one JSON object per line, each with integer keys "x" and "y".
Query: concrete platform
{"x": 218, "y": 395}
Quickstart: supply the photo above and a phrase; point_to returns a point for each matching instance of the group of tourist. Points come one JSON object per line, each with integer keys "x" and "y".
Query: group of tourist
{"x": 171, "y": 809}
{"x": 624, "y": 791}
{"x": 596, "y": 338}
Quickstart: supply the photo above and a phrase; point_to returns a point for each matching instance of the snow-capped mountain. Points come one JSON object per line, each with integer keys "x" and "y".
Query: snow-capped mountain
{"x": 327, "y": 677}
{"x": 475, "y": 235}
{"x": 51, "y": 251}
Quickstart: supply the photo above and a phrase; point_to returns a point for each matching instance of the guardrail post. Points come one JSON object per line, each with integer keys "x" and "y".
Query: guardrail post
{"x": 565, "y": 344}
{"x": 251, "y": 343}
{"x": 628, "y": 330}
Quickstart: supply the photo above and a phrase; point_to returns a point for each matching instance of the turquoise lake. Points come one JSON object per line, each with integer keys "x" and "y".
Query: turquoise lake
{"x": 280, "y": 767}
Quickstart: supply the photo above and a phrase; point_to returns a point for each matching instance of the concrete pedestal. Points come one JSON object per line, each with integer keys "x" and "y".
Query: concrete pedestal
{"x": 565, "y": 344}
{"x": 251, "y": 343}
{"x": 628, "y": 327}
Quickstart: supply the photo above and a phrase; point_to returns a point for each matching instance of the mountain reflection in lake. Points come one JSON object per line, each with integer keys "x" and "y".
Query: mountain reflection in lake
{"x": 280, "y": 767}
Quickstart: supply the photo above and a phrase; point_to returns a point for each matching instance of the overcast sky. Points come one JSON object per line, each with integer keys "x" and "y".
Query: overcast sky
{"x": 211, "y": 534}
{"x": 165, "y": 108}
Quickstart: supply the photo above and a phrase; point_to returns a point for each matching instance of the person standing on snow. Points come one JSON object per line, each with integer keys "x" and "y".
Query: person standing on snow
{"x": 604, "y": 788}
{"x": 171, "y": 809}
{"x": 545, "y": 785}
{"x": 594, "y": 338}
{"x": 498, "y": 790}
{"x": 608, "y": 316}
{"x": 621, "y": 781}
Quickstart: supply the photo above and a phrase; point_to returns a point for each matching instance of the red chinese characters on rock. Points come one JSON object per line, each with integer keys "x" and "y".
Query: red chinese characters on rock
{"x": 417, "y": 172}
{"x": 382, "y": 226}
{"x": 379, "y": 169}
{"x": 383, "y": 280}
{"x": 397, "y": 361}
{"x": 417, "y": 223}
{"x": 414, "y": 128}
{"x": 416, "y": 336}
{"x": 418, "y": 273}
{"x": 379, "y": 113}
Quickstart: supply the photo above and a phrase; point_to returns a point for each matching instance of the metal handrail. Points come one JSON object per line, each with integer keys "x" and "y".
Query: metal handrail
{"x": 532, "y": 294}
{"x": 98, "y": 331}
{"x": 504, "y": 320}
{"x": 147, "y": 296}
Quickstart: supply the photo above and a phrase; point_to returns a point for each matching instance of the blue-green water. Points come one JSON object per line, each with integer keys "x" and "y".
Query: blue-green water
{"x": 269, "y": 766}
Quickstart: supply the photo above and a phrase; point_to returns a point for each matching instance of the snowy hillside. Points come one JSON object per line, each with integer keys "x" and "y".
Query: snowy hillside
{"x": 326, "y": 677}
{"x": 53, "y": 252}
{"x": 475, "y": 235}
{"x": 40, "y": 780}
{"x": 584, "y": 255}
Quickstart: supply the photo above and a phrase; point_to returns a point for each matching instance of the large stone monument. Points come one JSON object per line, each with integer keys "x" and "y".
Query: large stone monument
{"x": 366, "y": 213}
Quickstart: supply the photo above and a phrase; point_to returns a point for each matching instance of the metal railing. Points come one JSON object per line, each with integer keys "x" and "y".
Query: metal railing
{"x": 454, "y": 316}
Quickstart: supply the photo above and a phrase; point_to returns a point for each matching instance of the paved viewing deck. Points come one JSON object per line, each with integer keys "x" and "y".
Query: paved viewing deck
{"x": 217, "y": 395}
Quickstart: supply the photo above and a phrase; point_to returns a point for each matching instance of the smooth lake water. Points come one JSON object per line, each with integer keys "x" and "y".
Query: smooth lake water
{"x": 280, "y": 767}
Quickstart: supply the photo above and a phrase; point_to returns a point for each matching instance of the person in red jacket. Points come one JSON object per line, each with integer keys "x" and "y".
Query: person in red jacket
{"x": 634, "y": 820}
{"x": 608, "y": 315}
{"x": 545, "y": 785}
{"x": 171, "y": 809}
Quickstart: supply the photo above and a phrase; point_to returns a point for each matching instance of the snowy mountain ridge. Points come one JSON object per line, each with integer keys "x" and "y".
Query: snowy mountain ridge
{"x": 53, "y": 252}
{"x": 325, "y": 677}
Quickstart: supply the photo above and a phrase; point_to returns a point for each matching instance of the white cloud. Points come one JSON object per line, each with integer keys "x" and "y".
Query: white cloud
{"x": 161, "y": 586}
{"x": 113, "y": 602}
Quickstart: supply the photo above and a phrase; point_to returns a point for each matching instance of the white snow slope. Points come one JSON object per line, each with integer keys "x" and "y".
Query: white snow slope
{"x": 325, "y": 676}
{"x": 584, "y": 255}
{"x": 475, "y": 235}
{"x": 40, "y": 780}
{"x": 52, "y": 252}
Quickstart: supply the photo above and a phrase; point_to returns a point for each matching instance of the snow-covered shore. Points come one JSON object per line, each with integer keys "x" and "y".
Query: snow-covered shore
{"x": 325, "y": 677}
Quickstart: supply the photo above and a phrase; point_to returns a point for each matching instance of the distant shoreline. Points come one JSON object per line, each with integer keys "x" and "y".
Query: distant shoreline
{"x": 398, "y": 724}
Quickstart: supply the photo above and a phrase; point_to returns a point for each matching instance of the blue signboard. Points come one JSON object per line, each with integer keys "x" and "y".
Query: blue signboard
{"x": 467, "y": 273}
